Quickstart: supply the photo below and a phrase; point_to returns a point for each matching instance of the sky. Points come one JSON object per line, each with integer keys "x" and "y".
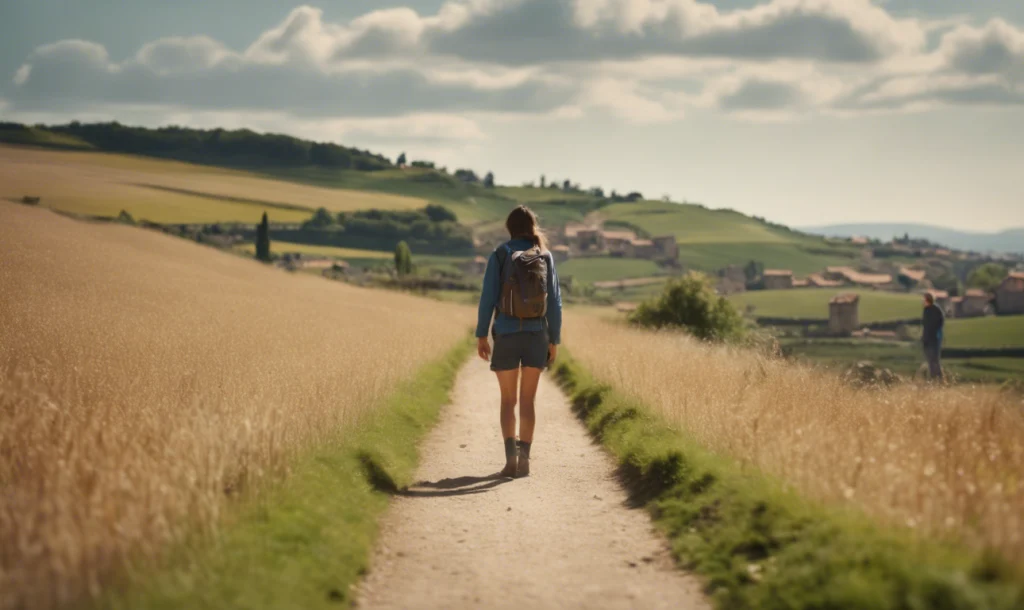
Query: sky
{"x": 806, "y": 112}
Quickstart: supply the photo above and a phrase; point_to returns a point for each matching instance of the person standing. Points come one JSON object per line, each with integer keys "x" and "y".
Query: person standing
{"x": 932, "y": 322}
{"x": 520, "y": 292}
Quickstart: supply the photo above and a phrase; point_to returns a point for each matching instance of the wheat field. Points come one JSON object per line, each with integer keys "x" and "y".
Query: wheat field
{"x": 145, "y": 380}
{"x": 943, "y": 461}
{"x": 102, "y": 184}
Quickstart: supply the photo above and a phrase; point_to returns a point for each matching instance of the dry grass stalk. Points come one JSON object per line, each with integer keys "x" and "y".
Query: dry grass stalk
{"x": 940, "y": 460}
{"x": 144, "y": 380}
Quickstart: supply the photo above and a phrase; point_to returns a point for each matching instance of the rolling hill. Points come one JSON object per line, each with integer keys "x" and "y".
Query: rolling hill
{"x": 1010, "y": 240}
{"x": 176, "y": 175}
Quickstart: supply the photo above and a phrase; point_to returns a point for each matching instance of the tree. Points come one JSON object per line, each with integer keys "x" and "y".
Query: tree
{"x": 567, "y": 186}
{"x": 400, "y": 160}
{"x": 987, "y": 276}
{"x": 489, "y": 180}
{"x": 321, "y": 219}
{"x": 439, "y": 213}
{"x": 690, "y": 303}
{"x": 403, "y": 258}
{"x": 466, "y": 175}
{"x": 543, "y": 183}
{"x": 263, "y": 240}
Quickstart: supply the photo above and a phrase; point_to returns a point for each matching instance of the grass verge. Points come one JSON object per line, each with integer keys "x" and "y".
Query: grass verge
{"x": 759, "y": 545}
{"x": 306, "y": 542}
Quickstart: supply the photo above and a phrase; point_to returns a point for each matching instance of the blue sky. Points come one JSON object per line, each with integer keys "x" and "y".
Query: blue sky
{"x": 802, "y": 111}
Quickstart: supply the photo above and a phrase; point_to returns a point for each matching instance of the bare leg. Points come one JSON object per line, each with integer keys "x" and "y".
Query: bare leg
{"x": 527, "y": 397}
{"x": 508, "y": 380}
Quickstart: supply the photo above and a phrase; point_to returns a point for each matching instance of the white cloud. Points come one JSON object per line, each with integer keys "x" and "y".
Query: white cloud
{"x": 642, "y": 61}
{"x": 22, "y": 74}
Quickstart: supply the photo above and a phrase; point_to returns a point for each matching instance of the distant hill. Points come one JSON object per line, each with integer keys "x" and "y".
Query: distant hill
{"x": 709, "y": 239}
{"x": 1009, "y": 241}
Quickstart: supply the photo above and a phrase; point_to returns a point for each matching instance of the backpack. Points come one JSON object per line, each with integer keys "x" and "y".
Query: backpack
{"x": 524, "y": 283}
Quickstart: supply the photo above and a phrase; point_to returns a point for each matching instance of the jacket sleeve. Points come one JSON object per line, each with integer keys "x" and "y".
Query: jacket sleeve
{"x": 488, "y": 296}
{"x": 554, "y": 314}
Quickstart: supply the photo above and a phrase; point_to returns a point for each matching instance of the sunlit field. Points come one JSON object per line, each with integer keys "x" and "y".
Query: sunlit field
{"x": 102, "y": 184}
{"x": 145, "y": 381}
{"x": 938, "y": 460}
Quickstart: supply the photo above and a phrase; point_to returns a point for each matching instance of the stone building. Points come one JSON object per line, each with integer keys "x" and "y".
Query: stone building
{"x": 1010, "y": 294}
{"x": 777, "y": 279}
{"x": 843, "y": 314}
{"x": 667, "y": 246}
{"x": 642, "y": 248}
{"x": 974, "y": 303}
{"x": 560, "y": 253}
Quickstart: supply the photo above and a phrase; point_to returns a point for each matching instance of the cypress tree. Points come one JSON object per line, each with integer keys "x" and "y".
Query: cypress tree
{"x": 403, "y": 258}
{"x": 263, "y": 240}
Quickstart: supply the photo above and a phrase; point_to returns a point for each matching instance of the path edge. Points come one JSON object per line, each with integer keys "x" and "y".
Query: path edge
{"x": 307, "y": 541}
{"x": 756, "y": 543}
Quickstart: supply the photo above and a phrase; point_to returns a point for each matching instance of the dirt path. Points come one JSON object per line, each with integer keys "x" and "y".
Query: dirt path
{"x": 561, "y": 538}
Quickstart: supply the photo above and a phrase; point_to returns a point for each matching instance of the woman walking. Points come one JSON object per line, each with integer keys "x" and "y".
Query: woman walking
{"x": 520, "y": 292}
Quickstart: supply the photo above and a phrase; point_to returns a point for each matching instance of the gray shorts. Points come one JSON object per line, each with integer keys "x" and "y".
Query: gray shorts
{"x": 525, "y": 348}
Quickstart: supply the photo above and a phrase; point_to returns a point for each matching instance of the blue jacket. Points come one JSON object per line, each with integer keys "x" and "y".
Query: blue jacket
{"x": 491, "y": 292}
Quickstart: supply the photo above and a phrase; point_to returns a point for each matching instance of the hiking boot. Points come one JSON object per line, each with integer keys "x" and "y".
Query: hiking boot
{"x": 523, "y": 468}
{"x": 509, "y": 472}
{"x": 523, "y": 453}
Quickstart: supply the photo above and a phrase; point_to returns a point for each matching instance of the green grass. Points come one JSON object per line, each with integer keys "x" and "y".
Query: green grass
{"x": 904, "y": 358}
{"x": 591, "y": 270}
{"x": 875, "y": 306}
{"x": 692, "y": 224}
{"x": 42, "y": 137}
{"x": 357, "y": 258}
{"x": 305, "y": 542}
{"x": 794, "y": 256}
{"x": 759, "y": 545}
{"x": 991, "y": 331}
{"x": 176, "y": 208}
{"x": 713, "y": 239}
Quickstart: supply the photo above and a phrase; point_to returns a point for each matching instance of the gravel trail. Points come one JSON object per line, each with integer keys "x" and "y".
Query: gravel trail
{"x": 560, "y": 538}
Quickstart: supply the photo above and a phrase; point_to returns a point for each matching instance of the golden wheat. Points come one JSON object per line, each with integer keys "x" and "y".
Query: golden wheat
{"x": 143, "y": 380}
{"x": 945, "y": 461}
{"x": 102, "y": 184}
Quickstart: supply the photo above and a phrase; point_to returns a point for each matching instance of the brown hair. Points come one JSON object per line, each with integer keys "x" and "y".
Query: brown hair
{"x": 929, "y": 298}
{"x": 522, "y": 223}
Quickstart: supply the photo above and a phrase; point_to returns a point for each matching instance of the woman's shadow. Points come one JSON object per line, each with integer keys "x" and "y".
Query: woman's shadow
{"x": 458, "y": 486}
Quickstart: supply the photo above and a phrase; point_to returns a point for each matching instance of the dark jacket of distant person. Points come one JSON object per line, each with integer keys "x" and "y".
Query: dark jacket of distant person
{"x": 932, "y": 322}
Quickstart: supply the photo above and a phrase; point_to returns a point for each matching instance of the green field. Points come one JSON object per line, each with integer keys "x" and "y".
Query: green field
{"x": 905, "y": 358}
{"x": 589, "y": 270}
{"x": 875, "y": 306}
{"x": 712, "y": 239}
{"x": 355, "y": 257}
{"x": 991, "y": 331}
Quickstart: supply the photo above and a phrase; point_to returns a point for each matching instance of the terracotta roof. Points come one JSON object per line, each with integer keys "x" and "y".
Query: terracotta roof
{"x": 801, "y": 283}
{"x": 914, "y": 274}
{"x": 1016, "y": 275}
{"x": 815, "y": 279}
{"x": 624, "y": 235}
{"x": 480, "y": 259}
{"x": 857, "y": 277}
{"x": 572, "y": 230}
{"x": 560, "y": 249}
{"x": 845, "y": 298}
{"x": 976, "y": 293}
{"x": 939, "y": 294}
{"x": 777, "y": 273}
{"x": 642, "y": 242}
{"x": 636, "y": 281}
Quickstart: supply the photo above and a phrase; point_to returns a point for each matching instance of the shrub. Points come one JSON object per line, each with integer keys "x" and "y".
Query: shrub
{"x": 690, "y": 302}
